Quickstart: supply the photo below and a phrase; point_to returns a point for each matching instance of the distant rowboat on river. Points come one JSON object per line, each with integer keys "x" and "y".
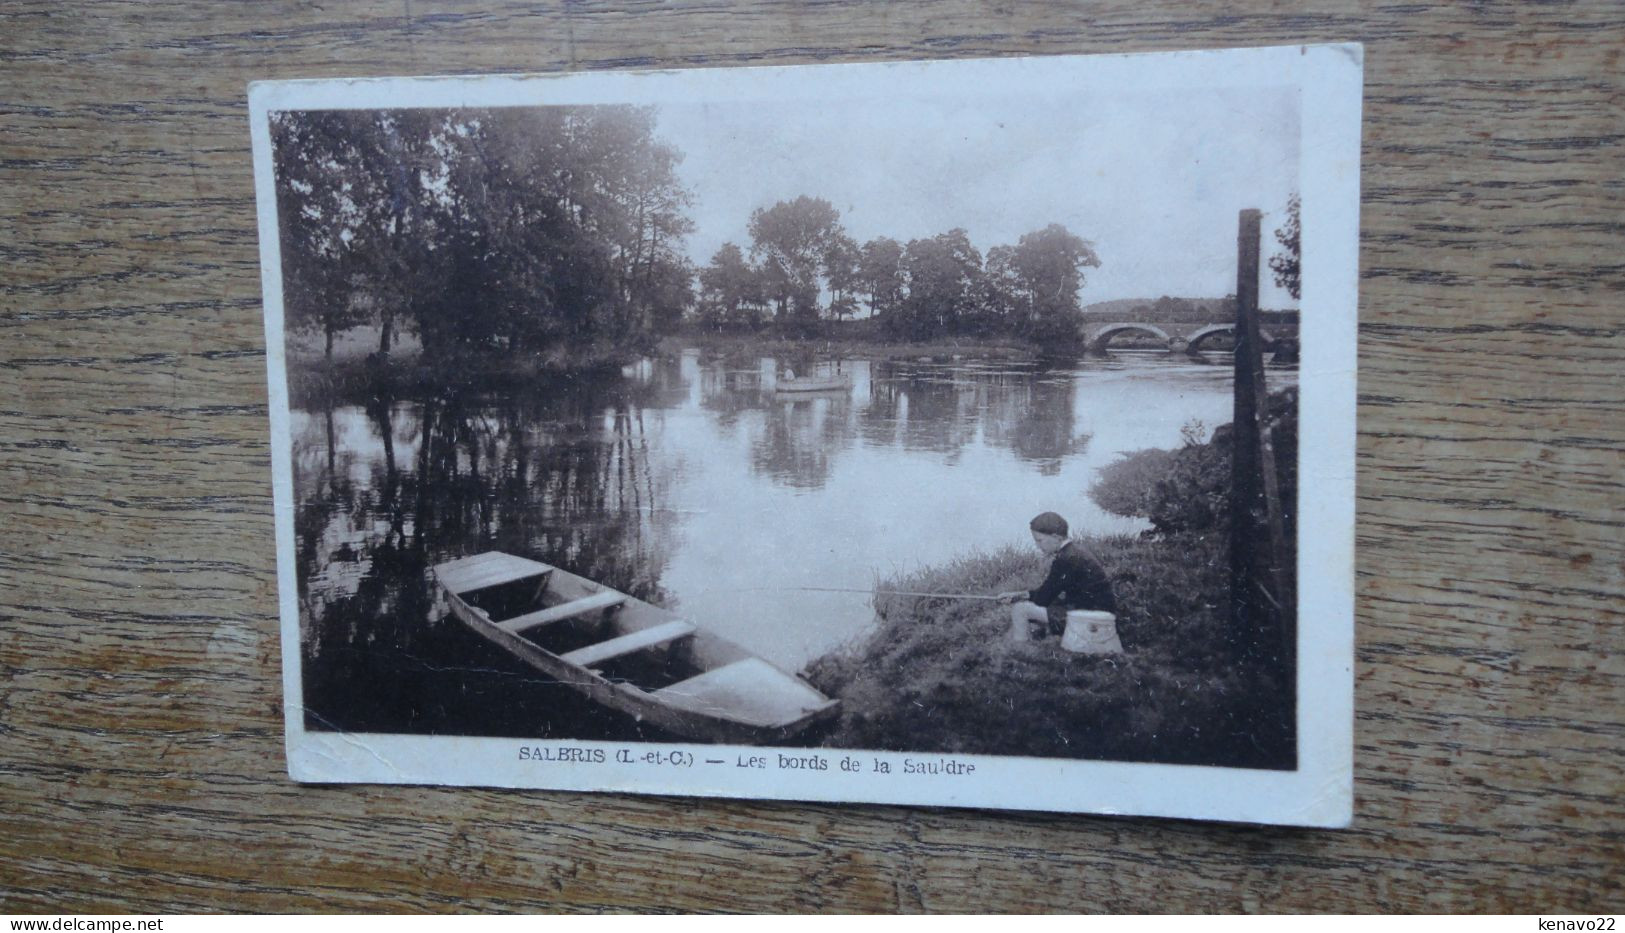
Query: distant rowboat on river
{"x": 839, "y": 382}
{"x": 627, "y": 654}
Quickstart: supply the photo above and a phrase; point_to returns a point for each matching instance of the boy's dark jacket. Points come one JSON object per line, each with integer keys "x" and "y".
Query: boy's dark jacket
{"x": 1076, "y": 581}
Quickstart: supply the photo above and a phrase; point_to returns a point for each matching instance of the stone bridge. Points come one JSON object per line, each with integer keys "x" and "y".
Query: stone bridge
{"x": 1279, "y": 338}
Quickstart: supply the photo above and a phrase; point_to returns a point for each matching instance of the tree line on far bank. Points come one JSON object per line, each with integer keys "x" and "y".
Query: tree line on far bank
{"x": 803, "y": 268}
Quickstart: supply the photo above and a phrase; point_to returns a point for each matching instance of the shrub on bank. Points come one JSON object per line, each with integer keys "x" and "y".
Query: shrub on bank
{"x": 1188, "y": 490}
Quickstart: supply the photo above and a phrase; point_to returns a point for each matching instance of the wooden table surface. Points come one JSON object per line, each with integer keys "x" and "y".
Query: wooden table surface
{"x": 141, "y": 764}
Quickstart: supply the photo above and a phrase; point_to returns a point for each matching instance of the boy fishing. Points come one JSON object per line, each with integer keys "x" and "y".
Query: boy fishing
{"x": 1076, "y": 580}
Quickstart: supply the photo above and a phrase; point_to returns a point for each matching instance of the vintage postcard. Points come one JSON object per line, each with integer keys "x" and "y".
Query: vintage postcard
{"x": 973, "y": 433}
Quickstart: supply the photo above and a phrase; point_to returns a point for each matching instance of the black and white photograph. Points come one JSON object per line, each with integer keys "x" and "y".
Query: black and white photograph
{"x": 969, "y": 433}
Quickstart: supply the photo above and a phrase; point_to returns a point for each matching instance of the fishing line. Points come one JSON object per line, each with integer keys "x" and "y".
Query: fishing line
{"x": 842, "y": 589}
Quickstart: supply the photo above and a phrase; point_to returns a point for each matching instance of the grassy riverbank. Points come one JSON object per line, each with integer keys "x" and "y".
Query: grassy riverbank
{"x": 357, "y": 370}
{"x": 940, "y": 675}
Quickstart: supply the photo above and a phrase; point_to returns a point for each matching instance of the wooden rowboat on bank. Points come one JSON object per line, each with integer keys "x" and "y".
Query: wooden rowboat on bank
{"x": 839, "y": 382}
{"x": 627, "y": 654}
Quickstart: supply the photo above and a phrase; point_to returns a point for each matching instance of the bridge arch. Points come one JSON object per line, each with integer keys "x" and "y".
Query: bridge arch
{"x": 1194, "y": 341}
{"x": 1101, "y": 337}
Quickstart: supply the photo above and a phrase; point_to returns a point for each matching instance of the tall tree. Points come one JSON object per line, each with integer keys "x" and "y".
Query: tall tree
{"x": 791, "y": 240}
{"x": 944, "y": 286}
{"x": 729, "y": 290}
{"x": 1009, "y": 301}
{"x": 318, "y": 169}
{"x": 653, "y": 203}
{"x": 398, "y": 260}
{"x": 1049, "y": 264}
{"x": 880, "y": 274}
{"x": 841, "y": 258}
{"x": 1286, "y": 264}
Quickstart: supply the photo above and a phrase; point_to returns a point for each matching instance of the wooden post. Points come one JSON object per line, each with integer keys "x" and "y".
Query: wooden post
{"x": 1262, "y": 609}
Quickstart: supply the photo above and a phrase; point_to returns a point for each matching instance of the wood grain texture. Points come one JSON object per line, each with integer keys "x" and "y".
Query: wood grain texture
{"x": 141, "y": 763}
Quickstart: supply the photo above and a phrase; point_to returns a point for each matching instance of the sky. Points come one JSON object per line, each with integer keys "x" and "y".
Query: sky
{"x": 1153, "y": 178}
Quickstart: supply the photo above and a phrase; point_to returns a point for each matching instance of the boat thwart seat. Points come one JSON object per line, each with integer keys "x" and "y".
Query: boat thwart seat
{"x": 575, "y": 607}
{"x": 627, "y": 644}
{"x": 487, "y": 570}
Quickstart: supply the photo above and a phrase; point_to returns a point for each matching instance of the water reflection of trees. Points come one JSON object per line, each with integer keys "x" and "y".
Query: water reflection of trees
{"x": 933, "y": 407}
{"x": 800, "y": 439}
{"x": 728, "y": 392}
{"x": 1036, "y": 420}
{"x": 562, "y": 473}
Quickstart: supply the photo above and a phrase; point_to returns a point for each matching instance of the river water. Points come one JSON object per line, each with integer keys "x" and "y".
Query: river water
{"x": 688, "y": 481}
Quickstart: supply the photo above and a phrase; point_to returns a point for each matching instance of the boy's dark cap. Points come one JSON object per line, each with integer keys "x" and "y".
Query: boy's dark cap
{"x": 1048, "y": 523}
